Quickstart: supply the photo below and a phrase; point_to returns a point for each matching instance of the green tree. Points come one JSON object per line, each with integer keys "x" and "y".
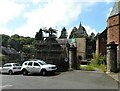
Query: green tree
{"x": 39, "y": 35}
{"x": 14, "y": 43}
{"x": 97, "y": 35}
{"x": 72, "y": 34}
{"x": 91, "y": 45}
{"x": 63, "y": 33}
{"x": 15, "y": 36}
{"x": 51, "y": 32}
{"x": 92, "y": 35}
{"x": 4, "y": 40}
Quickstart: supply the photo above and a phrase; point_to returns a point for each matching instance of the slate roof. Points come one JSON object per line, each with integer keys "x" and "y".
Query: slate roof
{"x": 116, "y": 8}
{"x": 8, "y": 51}
{"x": 64, "y": 41}
{"x": 79, "y": 33}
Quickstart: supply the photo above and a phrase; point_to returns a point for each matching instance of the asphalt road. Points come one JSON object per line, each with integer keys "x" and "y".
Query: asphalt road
{"x": 67, "y": 80}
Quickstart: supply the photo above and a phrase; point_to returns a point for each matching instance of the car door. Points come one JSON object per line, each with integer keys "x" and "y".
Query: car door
{"x": 36, "y": 67}
{"x": 4, "y": 68}
{"x": 30, "y": 67}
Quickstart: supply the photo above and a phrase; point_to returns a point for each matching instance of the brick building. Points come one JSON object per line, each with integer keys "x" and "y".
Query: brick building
{"x": 113, "y": 25}
{"x": 101, "y": 43}
{"x": 80, "y": 34}
{"x": 111, "y": 34}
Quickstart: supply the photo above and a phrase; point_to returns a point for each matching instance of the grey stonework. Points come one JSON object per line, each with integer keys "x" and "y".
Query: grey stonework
{"x": 73, "y": 62}
{"x": 112, "y": 57}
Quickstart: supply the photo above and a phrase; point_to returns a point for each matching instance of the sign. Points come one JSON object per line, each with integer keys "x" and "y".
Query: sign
{"x": 73, "y": 40}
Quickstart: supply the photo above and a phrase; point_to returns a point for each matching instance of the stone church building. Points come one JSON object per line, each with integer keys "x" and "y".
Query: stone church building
{"x": 57, "y": 51}
{"x": 111, "y": 33}
{"x": 113, "y": 25}
{"x": 80, "y": 35}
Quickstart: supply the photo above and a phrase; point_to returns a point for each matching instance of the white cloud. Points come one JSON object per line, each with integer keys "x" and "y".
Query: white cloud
{"x": 27, "y": 30}
{"x": 94, "y": 1}
{"x": 36, "y": 1}
{"x": 108, "y": 1}
{"x": 69, "y": 31}
{"x": 52, "y": 13}
{"x": 8, "y": 10}
{"x": 40, "y": 1}
{"x": 4, "y": 30}
{"x": 55, "y": 13}
{"x": 90, "y": 29}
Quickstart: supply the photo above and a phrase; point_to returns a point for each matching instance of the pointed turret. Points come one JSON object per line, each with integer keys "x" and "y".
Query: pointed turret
{"x": 116, "y": 8}
{"x": 81, "y": 31}
{"x": 80, "y": 24}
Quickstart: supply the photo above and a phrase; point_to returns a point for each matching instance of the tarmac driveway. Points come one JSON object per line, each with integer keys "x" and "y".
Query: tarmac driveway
{"x": 67, "y": 80}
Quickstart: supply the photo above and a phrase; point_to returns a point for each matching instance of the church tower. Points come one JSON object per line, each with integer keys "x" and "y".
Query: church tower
{"x": 113, "y": 25}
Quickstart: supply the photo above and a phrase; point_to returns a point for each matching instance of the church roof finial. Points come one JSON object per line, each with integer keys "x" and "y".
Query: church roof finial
{"x": 80, "y": 23}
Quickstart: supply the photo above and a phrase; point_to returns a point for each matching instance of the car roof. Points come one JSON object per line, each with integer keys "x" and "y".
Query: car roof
{"x": 10, "y": 63}
{"x": 34, "y": 61}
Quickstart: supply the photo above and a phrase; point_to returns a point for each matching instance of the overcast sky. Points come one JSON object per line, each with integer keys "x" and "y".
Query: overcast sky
{"x": 26, "y": 17}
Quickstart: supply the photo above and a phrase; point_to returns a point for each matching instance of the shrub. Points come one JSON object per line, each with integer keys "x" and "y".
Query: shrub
{"x": 99, "y": 61}
{"x": 103, "y": 68}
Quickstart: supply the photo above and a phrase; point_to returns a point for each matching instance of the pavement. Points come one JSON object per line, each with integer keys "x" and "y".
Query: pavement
{"x": 115, "y": 76}
{"x": 76, "y": 79}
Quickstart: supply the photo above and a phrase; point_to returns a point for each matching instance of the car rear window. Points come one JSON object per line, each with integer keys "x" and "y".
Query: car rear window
{"x": 7, "y": 65}
{"x": 16, "y": 64}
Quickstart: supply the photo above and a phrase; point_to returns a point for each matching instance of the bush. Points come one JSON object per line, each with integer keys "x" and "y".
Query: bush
{"x": 99, "y": 61}
{"x": 103, "y": 68}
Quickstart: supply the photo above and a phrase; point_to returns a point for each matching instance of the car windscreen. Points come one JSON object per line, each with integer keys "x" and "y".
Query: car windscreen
{"x": 43, "y": 63}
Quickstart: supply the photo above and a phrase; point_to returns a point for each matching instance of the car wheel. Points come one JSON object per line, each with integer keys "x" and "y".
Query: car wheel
{"x": 44, "y": 72}
{"x": 10, "y": 72}
{"x": 25, "y": 72}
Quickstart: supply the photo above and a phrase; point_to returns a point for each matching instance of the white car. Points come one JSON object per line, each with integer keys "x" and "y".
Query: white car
{"x": 37, "y": 66}
{"x": 0, "y": 69}
{"x": 11, "y": 68}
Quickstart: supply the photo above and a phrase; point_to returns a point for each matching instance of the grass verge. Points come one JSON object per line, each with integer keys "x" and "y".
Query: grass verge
{"x": 87, "y": 68}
